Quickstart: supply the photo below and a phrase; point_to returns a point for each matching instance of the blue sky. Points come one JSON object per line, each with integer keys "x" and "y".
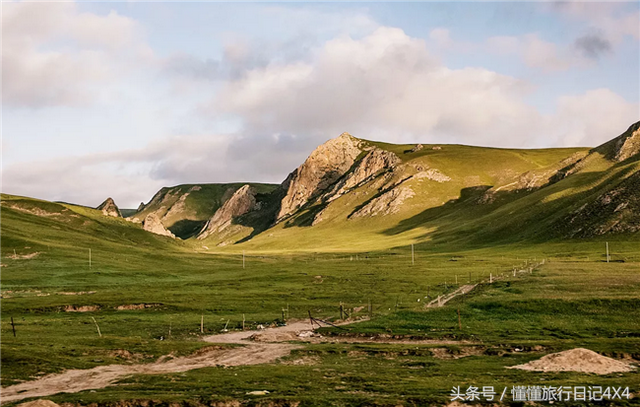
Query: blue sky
{"x": 120, "y": 99}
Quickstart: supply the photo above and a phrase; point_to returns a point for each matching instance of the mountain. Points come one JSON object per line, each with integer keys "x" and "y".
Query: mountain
{"x": 183, "y": 210}
{"x": 356, "y": 194}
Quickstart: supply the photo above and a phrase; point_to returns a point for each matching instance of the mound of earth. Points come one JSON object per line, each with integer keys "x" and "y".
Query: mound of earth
{"x": 39, "y": 403}
{"x": 576, "y": 360}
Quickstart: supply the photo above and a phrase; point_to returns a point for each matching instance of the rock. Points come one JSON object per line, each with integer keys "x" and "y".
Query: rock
{"x": 240, "y": 203}
{"x": 258, "y": 393}
{"x": 616, "y": 211}
{"x": 375, "y": 162}
{"x": 323, "y": 167}
{"x": 386, "y": 204}
{"x": 109, "y": 208}
{"x": 418, "y": 147}
{"x": 436, "y": 148}
{"x": 628, "y": 144}
{"x": 140, "y": 207}
{"x": 622, "y": 147}
{"x": 178, "y": 207}
{"x": 433, "y": 174}
{"x": 152, "y": 223}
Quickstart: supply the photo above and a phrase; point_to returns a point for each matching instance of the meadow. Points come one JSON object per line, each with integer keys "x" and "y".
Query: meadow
{"x": 575, "y": 299}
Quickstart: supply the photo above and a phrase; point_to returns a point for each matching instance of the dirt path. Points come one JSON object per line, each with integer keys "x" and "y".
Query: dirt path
{"x": 441, "y": 300}
{"x": 264, "y": 346}
{"x": 73, "y": 381}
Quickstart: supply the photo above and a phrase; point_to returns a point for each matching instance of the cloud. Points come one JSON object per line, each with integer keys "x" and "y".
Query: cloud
{"x": 593, "y": 45}
{"x": 615, "y": 20}
{"x": 386, "y": 84}
{"x": 590, "y": 119}
{"x": 540, "y": 54}
{"x": 132, "y": 175}
{"x": 91, "y": 52}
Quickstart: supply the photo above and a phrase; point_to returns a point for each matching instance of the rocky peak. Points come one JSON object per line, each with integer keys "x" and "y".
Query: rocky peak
{"x": 140, "y": 207}
{"x": 109, "y": 208}
{"x": 241, "y": 202}
{"x": 152, "y": 223}
{"x": 622, "y": 147}
{"x": 321, "y": 169}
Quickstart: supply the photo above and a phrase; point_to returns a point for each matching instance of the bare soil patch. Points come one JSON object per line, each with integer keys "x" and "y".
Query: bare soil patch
{"x": 576, "y": 360}
{"x": 81, "y": 308}
{"x": 445, "y": 353}
{"x": 27, "y": 256}
{"x": 39, "y": 403}
{"x": 136, "y": 306}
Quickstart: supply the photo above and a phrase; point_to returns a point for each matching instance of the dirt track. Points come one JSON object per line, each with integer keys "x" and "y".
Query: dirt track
{"x": 73, "y": 381}
{"x": 266, "y": 347}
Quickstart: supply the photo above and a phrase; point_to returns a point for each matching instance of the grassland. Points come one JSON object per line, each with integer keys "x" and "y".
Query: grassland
{"x": 575, "y": 299}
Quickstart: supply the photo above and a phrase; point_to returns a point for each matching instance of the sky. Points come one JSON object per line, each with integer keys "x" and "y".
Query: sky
{"x": 118, "y": 99}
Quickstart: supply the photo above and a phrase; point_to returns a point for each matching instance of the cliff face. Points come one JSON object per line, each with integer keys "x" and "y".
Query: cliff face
{"x": 240, "y": 203}
{"x": 152, "y": 223}
{"x": 376, "y": 162}
{"x": 109, "y": 208}
{"x": 323, "y": 167}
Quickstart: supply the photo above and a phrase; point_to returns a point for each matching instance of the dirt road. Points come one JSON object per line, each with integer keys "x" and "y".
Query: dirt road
{"x": 73, "y": 381}
{"x": 264, "y": 346}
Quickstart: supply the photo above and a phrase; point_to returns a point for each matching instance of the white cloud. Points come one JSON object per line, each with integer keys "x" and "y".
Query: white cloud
{"x": 591, "y": 118}
{"x": 91, "y": 53}
{"x": 128, "y": 175}
{"x": 385, "y": 84}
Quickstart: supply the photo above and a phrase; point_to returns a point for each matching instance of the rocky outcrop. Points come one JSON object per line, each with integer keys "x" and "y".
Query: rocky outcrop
{"x": 240, "y": 203}
{"x": 612, "y": 212}
{"x": 432, "y": 174}
{"x": 321, "y": 169}
{"x": 386, "y": 204}
{"x": 152, "y": 223}
{"x": 622, "y": 147}
{"x": 109, "y": 208}
{"x": 376, "y": 161}
{"x": 140, "y": 207}
{"x": 178, "y": 207}
{"x": 628, "y": 144}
